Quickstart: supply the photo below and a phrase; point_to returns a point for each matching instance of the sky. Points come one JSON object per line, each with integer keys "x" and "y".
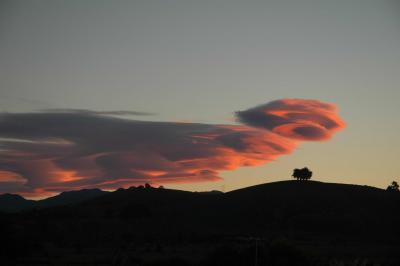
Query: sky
{"x": 184, "y": 68}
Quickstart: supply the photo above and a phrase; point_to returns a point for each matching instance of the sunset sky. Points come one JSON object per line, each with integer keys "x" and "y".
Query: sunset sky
{"x": 197, "y": 95}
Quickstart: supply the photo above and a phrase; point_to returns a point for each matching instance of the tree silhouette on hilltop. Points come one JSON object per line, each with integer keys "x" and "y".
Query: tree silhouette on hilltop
{"x": 302, "y": 174}
{"x": 394, "y": 186}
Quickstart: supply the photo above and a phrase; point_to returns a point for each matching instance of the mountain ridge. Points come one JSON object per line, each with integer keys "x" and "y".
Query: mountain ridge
{"x": 324, "y": 218}
{"x": 15, "y": 203}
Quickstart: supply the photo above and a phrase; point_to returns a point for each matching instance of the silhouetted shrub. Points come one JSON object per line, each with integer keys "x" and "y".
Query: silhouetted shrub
{"x": 302, "y": 174}
{"x": 393, "y": 187}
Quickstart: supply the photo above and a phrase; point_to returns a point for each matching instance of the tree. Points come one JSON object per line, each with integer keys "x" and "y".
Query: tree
{"x": 302, "y": 174}
{"x": 393, "y": 187}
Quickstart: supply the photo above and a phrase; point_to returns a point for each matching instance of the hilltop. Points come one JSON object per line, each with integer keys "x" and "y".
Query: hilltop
{"x": 326, "y": 217}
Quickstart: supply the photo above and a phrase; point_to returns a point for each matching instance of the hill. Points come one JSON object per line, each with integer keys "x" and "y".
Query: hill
{"x": 16, "y": 203}
{"x": 12, "y": 203}
{"x": 332, "y": 220}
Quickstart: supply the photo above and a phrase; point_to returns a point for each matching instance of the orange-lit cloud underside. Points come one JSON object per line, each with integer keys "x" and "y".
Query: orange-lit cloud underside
{"x": 47, "y": 152}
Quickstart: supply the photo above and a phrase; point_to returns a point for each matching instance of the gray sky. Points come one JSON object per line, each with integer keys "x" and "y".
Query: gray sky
{"x": 202, "y": 60}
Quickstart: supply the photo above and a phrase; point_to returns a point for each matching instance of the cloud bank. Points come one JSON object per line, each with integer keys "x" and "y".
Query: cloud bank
{"x": 52, "y": 151}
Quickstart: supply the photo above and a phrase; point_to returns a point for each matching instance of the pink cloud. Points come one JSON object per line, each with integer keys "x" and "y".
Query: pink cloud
{"x": 47, "y": 152}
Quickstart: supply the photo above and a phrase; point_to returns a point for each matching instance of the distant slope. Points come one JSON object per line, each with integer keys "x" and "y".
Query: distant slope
{"x": 300, "y": 208}
{"x": 335, "y": 219}
{"x": 288, "y": 206}
{"x": 328, "y": 221}
{"x": 296, "y": 208}
{"x": 16, "y": 203}
{"x": 71, "y": 197}
{"x": 11, "y": 203}
{"x": 336, "y": 209}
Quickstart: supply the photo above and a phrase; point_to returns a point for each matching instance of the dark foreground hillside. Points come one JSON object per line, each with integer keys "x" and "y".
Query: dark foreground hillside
{"x": 282, "y": 223}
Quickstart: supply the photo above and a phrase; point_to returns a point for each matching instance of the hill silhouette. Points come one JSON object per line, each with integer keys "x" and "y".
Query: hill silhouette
{"x": 12, "y": 202}
{"x": 332, "y": 220}
{"x": 16, "y": 203}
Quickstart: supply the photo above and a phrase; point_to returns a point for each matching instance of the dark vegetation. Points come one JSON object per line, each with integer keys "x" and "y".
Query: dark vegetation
{"x": 282, "y": 223}
{"x": 302, "y": 174}
{"x": 394, "y": 186}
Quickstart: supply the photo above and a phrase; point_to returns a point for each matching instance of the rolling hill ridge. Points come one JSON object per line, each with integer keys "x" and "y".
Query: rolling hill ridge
{"x": 336, "y": 220}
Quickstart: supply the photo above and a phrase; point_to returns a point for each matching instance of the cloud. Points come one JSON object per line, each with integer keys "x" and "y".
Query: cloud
{"x": 295, "y": 118}
{"x": 86, "y": 111}
{"x": 52, "y": 151}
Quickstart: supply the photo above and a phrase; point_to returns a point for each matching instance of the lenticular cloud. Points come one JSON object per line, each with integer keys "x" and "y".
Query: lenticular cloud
{"x": 51, "y": 151}
{"x": 295, "y": 118}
